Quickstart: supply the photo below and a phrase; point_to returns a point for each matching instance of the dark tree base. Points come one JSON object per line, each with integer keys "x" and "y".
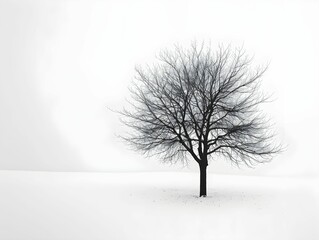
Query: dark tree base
{"x": 203, "y": 187}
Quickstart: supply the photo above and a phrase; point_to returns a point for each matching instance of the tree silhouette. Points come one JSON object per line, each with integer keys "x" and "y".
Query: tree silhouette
{"x": 203, "y": 103}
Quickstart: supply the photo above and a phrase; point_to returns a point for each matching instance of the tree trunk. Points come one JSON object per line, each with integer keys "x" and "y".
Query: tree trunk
{"x": 202, "y": 192}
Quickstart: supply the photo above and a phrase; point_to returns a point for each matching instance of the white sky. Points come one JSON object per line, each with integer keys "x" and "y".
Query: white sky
{"x": 63, "y": 62}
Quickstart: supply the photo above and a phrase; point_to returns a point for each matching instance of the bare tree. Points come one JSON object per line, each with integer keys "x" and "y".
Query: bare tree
{"x": 200, "y": 102}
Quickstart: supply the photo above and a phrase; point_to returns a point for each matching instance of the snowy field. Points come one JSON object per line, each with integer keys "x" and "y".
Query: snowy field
{"x": 50, "y": 205}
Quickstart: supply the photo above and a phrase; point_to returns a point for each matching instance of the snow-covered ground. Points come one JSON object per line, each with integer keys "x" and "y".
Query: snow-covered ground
{"x": 154, "y": 205}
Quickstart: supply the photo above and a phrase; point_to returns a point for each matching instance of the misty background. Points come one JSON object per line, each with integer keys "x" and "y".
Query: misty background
{"x": 63, "y": 63}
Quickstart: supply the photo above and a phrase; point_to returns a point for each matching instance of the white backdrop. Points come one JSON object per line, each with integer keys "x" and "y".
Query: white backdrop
{"x": 63, "y": 62}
